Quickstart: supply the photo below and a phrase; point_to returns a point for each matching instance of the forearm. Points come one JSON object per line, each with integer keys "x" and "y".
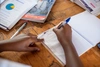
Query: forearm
{"x": 5, "y": 45}
{"x": 72, "y": 59}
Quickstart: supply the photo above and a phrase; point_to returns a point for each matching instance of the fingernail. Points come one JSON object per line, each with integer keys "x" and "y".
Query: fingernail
{"x": 31, "y": 45}
{"x": 38, "y": 49}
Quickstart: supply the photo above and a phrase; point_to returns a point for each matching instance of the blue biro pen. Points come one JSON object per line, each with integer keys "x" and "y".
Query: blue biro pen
{"x": 65, "y": 22}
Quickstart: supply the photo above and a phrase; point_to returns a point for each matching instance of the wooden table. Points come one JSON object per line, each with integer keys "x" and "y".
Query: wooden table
{"x": 61, "y": 10}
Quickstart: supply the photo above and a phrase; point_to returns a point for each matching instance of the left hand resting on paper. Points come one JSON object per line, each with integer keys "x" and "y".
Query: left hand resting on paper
{"x": 21, "y": 42}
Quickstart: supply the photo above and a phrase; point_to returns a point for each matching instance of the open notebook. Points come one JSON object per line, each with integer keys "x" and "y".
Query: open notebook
{"x": 85, "y": 35}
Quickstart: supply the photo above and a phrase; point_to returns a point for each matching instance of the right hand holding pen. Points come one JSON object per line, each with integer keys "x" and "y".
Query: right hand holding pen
{"x": 64, "y": 33}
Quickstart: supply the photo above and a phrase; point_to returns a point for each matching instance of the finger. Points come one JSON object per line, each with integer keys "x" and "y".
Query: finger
{"x": 40, "y": 40}
{"x": 66, "y": 26}
{"x": 32, "y": 44}
{"x": 33, "y": 49}
{"x": 30, "y": 34}
{"x": 57, "y": 31}
{"x": 33, "y": 37}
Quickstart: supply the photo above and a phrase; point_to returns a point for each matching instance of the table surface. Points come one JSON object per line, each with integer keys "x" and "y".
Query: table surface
{"x": 61, "y": 10}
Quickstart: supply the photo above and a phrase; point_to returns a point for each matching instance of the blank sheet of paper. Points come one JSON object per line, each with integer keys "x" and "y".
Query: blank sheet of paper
{"x": 87, "y": 25}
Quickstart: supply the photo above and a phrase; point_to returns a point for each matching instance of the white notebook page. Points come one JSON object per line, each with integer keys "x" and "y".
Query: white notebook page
{"x": 87, "y": 25}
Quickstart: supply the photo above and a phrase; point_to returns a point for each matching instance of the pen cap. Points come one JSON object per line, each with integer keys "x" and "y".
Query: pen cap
{"x": 67, "y": 20}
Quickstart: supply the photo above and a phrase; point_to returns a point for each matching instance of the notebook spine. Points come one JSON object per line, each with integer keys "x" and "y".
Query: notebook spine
{"x": 82, "y": 36}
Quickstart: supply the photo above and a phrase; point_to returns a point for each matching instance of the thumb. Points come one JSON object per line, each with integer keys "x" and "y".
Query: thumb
{"x": 56, "y": 30}
{"x": 33, "y": 49}
{"x": 40, "y": 40}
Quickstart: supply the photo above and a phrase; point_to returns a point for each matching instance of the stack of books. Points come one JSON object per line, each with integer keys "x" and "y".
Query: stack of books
{"x": 11, "y": 11}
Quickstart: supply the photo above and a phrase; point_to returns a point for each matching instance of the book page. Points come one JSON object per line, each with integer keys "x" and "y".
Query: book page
{"x": 7, "y": 63}
{"x": 52, "y": 44}
{"x": 87, "y": 26}
{"x": 1, "y": 1}
{"x": 12, "y": 10}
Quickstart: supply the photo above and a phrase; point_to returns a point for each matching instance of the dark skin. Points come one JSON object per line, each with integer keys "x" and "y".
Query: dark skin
{"x": 23, "y": 42}
{"x": 64, "y": 35}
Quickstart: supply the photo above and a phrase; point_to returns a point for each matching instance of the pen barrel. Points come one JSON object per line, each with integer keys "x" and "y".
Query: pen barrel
{"x": 19, "y": 30}
{"x": 14, "y": 35}
{"x": 64, "y": 22}
{"x": 61, "y": 25}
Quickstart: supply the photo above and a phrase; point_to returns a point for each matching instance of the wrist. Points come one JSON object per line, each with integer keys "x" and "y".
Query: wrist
{"x": 65, "y": 41}
{"x": 66, "y": 44}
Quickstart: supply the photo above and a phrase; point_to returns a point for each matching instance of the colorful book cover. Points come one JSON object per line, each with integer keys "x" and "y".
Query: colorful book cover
{"x": 40, "y": 11}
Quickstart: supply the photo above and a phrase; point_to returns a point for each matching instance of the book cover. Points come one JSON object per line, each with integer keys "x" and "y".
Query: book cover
{"x": 85, "y": 35}
{"x": 40, "y": 11}
{"x": 11, "y": 12}
{"x": 93, "y": 6}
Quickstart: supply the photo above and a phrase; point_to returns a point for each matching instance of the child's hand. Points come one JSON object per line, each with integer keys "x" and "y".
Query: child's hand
{"x": 21, "y": 42}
